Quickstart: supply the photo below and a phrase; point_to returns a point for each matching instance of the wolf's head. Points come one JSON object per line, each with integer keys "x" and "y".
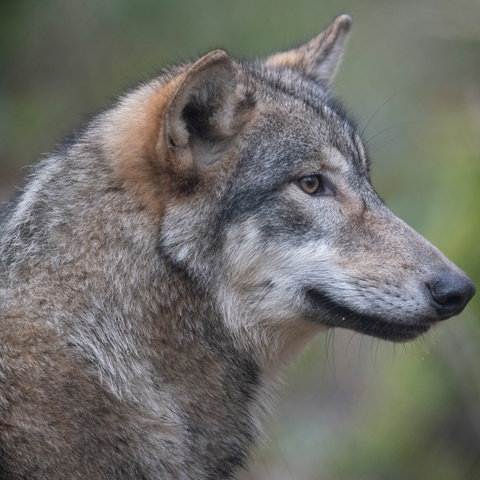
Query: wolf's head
{"x": 263, "y": 186}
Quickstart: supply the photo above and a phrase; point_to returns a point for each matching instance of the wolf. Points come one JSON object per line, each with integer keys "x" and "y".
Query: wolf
{"x": 164, "y": 263}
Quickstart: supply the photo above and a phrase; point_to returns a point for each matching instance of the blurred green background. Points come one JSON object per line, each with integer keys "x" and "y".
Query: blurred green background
{"x": 352, "y": 407}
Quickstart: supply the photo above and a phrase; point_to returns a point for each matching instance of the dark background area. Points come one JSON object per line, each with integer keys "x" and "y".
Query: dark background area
{"x": 353, "y": 407}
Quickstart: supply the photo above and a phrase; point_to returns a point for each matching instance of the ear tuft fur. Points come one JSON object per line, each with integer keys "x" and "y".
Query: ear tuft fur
{"x": 200, "y": 94}
{"x": 205, "y": 112}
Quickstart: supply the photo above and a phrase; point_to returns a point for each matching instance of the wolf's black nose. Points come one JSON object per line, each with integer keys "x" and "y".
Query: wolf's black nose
{"x": 450, "y": 293}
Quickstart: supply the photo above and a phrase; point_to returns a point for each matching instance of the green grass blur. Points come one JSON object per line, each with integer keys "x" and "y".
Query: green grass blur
{"x": 353, "y": 408}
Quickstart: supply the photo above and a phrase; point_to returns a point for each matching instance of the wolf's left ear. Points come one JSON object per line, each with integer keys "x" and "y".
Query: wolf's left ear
{"x": 204, "y": 113}
{"x": 320, "y": 57}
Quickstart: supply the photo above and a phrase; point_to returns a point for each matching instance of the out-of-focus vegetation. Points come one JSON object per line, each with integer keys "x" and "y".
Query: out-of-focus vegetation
{"x": 354, "y": 408}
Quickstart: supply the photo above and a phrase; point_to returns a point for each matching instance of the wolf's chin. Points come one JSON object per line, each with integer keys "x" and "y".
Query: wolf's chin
{"x": 335, "y": 315}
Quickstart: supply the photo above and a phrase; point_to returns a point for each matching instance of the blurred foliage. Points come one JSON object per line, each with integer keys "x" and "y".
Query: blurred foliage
{"x": 354, "y": 408}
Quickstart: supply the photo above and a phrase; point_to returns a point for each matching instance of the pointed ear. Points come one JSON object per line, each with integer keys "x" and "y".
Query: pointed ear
{"x": 203, "y": 114}
{"x": 320, "y": 57}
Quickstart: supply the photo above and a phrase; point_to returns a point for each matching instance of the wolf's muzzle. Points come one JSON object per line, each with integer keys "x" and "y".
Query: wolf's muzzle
{"x": 450, "y": 292}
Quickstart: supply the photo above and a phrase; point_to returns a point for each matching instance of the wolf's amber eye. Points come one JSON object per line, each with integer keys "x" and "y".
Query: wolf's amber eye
{"x": 312, "y": 184}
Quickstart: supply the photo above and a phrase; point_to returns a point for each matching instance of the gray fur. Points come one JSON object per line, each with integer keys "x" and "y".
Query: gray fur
{"x": 159, "y": 269}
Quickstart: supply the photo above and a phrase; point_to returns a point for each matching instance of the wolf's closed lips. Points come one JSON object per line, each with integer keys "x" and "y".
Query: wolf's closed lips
{"x": 333, "y": 314}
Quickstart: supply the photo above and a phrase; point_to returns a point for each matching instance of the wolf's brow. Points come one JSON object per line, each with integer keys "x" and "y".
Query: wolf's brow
{"x": 277, "y": 84}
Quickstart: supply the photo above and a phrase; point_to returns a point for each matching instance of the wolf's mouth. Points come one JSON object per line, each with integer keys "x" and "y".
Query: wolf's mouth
{"x": 336, "y": 315}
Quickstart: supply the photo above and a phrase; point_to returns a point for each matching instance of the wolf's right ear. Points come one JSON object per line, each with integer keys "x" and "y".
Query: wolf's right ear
{"x": 203, "y": 114}
{"x": 320, "y": 57}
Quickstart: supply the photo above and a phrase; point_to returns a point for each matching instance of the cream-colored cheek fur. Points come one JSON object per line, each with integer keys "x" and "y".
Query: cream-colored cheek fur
{"x": 262, "y": 298}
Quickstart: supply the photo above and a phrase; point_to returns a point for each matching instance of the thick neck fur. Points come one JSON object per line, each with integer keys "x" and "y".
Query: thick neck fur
{"x": 141, "y": 333}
